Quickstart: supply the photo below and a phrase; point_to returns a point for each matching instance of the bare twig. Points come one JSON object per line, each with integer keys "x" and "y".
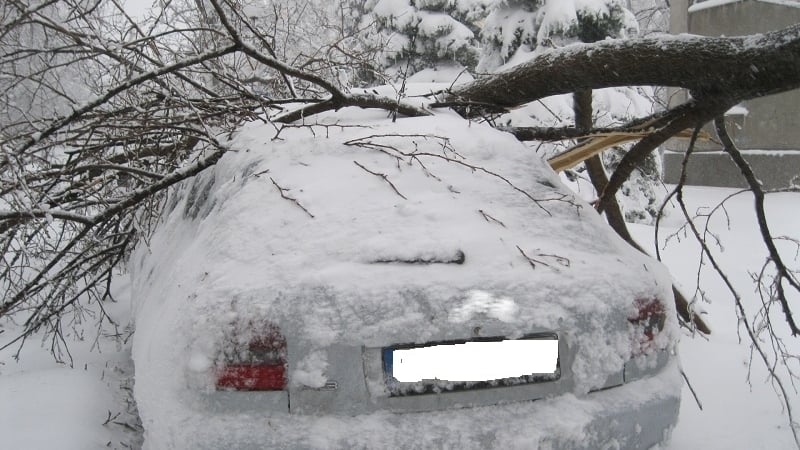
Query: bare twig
{"x": 741, "y": 311}
{"x": 283, "y": 192}
{"x": 447, "y": 150}
{"x": 694, "y": 394}
{"x": 490, "y": 219}
{"x": 766, "y": 236}
{"x": 530, "y": 260}
{"x": 384, "y": 177}
{"x": 533, "y": 261}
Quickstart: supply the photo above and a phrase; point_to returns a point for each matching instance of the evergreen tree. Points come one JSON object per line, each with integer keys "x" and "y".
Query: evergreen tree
{"x": 429, "y": 33}
{"x": 566, "y": 21}
{"x": 516, "y": 30}
{"x": 641, "y": 199}
{"x": 510, "y": 30}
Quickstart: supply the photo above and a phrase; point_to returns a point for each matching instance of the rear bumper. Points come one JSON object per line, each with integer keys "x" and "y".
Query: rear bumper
{"x": 636, "y": 415}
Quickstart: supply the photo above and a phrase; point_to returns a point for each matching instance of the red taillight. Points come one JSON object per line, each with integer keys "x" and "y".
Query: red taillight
{"x": 260, "y": 366}
{"x": 649, "y": 319}
{"x": 243, "y": 377}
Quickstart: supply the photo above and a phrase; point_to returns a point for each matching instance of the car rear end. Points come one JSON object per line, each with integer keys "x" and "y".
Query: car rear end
{"x": 508, "y": 391}
{"x": 262, "y": 326}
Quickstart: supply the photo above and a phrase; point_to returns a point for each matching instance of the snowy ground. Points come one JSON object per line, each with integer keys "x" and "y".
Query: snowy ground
{"x": 83, "y": 406}
{"x": 735, "y": 414}
{"x": 47, "y": 405}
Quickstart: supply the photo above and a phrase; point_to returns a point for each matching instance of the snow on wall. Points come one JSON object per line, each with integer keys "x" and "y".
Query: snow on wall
{"x": 716, "y": 3}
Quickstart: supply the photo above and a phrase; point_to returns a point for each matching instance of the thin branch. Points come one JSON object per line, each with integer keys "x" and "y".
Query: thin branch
{"x": 490, "y": 219}
{"x": 113, "y": 92}
{"x": 754, "y": 340}
{"x": 691, "y": 388}
{"x": 252, "y": 52}
{"x": 680, "y": 118}
{"x": 415, "y": 155}
{"x": 530, "y": 260}
{"x": 766, "y": 236}
{"x": 283, "y": 192}
{"x": 20, "y": 216}
{"x": 384, "y": 177}
{"x": 355, "y": 100}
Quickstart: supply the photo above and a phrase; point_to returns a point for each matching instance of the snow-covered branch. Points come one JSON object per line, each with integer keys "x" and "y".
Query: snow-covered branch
{"x": 733, "y": 67}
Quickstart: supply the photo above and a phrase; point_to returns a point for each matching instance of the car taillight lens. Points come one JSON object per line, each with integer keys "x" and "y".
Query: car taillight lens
{"x": 260, "y": 366}
{"x": 241, "y": 377}
{"x": 648, "y": 321}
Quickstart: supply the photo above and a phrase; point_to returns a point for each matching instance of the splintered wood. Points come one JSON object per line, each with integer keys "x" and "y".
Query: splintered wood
{"x": 597, "y": 143}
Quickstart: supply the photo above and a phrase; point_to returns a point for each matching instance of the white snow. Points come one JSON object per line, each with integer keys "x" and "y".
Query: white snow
{"x": 310, "y": 370}
{"x": 449, "y": 74}
{"x": 793, "y": 3}
{"x": 738, "y": 110}
{"x": 400, "y": 12}
{"x": 55, "y": 408}
{"x": 49, "y": 405}
{"x": 739, "y": 411}
{"x": 716, "y": 3}
{"x": 710, "y": 4}
{"x": 482, "y": 302}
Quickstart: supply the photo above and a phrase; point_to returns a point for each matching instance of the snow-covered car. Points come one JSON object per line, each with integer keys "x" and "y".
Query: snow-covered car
{"x": 281, "y": 297}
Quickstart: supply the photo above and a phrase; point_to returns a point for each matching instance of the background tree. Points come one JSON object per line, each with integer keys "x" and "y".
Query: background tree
{"x": 422, "y": 34}
{"x": 652, "y": 15}
{"x": 510, "y": 33}
{"x": 45, "y": 85}
{"x": 565, "y": 23}
{"x": 519, "y": 30}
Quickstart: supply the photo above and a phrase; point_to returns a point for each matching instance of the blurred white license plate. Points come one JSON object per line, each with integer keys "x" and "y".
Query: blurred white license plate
{"x": 473, "y": 361}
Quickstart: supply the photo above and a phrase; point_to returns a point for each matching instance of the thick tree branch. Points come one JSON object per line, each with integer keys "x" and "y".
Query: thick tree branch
{"x": 355, "y": 100}
{"x": 685, "y": 116}
{"x": 613, "y": 212}
{"x": 737, "y": 67}
{"x": 558, "y": 133}
{"x": 338, "y": 98}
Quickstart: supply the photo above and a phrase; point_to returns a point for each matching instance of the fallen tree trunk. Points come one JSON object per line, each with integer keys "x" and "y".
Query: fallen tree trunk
{"x": 735, "y": 67}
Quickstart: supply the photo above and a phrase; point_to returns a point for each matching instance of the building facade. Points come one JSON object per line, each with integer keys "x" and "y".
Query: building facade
{"x": 767, "y": 129}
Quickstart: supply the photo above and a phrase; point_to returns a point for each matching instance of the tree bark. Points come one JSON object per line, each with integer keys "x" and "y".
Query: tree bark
{"x": 582, "y": 105}
{"x": 736, "y": 67}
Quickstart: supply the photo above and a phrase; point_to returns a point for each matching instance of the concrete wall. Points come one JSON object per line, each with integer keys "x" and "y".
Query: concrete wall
{"x": 771, "y": 123}
{"x": 679, "y": 16}
{"x": 741, "y": 18}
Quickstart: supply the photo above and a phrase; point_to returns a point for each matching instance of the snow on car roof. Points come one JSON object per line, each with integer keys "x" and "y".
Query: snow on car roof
{"x": 317, "y": 228}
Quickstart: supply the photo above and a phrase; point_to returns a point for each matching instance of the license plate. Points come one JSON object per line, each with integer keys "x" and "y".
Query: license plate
{"x": 523, "y": 360}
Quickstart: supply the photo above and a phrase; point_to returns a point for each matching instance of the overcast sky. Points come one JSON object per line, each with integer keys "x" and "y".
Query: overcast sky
{"x": 137, "y": 7}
